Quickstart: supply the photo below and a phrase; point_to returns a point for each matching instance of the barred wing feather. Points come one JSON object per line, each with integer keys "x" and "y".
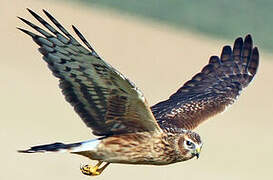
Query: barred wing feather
{"x": 212, "y": 90}
{"x": 105, "y": 100}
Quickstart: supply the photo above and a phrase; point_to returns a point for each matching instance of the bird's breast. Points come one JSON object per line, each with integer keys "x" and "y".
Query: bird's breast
{"x": 136, "y": 148}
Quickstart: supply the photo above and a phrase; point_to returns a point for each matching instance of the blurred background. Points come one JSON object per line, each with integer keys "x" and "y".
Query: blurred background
{"x": 157, "y": 44}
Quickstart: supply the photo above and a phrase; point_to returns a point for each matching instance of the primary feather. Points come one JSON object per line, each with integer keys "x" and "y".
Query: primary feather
{"x": 212, "y": 90}
{"x": 107, "y": 101}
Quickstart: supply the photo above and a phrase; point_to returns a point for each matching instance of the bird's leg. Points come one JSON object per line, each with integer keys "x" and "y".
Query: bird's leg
{"x": 93, "y": 170}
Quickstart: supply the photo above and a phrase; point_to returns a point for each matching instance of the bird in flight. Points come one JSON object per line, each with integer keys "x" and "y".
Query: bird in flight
{"x": 129, "y": 130}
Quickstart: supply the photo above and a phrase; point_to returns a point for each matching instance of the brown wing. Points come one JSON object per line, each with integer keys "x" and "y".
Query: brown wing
{"x": 105, "y": 100}
{"x": 212, "y": 90}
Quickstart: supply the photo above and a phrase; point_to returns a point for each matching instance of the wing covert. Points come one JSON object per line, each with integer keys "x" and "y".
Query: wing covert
{"x": 212, "y": 90}
{"x": 107, "y": 102}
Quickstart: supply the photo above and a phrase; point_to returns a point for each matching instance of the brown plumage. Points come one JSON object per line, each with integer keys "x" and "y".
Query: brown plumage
{"x": 115, "y": 109}
{"x": 212, "y": 90}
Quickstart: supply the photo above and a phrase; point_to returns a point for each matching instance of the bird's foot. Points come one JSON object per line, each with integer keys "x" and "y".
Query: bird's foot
{"x": 93, "y": 170}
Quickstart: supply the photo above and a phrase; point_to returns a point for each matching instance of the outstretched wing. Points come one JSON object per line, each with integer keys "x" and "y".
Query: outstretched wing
{"x": 105, "y": 100}
{"x": 212, "y": 90}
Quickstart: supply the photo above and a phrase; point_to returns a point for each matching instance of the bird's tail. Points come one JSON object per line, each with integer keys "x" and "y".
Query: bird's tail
{"x": 61, "y": 147}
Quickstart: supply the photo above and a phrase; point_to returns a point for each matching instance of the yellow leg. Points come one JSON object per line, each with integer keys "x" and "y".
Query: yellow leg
{"x": 93, "y": 170}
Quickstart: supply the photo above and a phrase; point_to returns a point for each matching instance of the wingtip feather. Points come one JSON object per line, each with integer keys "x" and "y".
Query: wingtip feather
{"x": 226, "y": 53}
{"x": 26, "y": 31}
{"x": 31, "y": 12}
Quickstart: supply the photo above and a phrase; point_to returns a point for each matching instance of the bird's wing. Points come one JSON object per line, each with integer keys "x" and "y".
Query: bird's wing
{"x": 212, "y": 90}
{"x": 107, "y": 102}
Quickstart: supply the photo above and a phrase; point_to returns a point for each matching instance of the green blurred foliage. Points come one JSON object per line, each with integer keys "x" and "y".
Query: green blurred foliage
{"x": 218, "y": 18}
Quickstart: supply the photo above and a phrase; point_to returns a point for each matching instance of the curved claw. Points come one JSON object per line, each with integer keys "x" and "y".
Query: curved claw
{"x": 93, "y": 170}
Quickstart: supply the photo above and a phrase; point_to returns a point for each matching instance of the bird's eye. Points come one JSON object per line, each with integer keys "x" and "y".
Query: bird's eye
{"x": 189, "y": 143}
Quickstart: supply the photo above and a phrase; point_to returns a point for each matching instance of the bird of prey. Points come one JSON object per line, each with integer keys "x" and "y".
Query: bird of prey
{"x": 129, "y": 130}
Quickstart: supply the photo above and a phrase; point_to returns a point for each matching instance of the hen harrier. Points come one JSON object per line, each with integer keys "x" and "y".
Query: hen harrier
{"x": 129, "y": 130}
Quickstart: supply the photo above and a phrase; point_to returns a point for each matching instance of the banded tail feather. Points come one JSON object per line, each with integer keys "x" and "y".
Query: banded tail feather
{"x": 61, "y": 147}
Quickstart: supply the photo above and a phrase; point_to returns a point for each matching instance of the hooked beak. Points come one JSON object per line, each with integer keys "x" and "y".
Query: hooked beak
{"x": 197, "y": 152}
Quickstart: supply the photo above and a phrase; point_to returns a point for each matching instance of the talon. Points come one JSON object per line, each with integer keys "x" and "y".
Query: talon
{"x": 88, "y": 170}
{"x": 93, "y": 170}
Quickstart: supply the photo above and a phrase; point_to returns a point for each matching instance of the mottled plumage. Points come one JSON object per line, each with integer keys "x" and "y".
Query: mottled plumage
{"x": 115, "y": 109}
{"x": 212, "y": 90}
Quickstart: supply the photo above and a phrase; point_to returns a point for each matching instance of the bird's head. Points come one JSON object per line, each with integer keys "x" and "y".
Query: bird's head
{"x": 190, "y": 145}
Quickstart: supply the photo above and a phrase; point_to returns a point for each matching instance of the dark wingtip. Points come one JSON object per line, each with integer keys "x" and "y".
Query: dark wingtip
{"x": 226, "y": 53}
{"x": 238, "y": 42}
{"x": 77, "y": 31}
{"x": 227, "y": 49}
{"x": 27, "y": 32}
{"x": 48, "y": 15}
{"x": 74, "y": 28}
{"x": 248, "y": 39}
{"x": 19, "y": 28}
{"x": 237, "y": 48}
{"x": 255, "y": 49}
{"x": 255, "y": 55}
{"x": 254, "y": 62}
{"x": 19, "y": 17}
{"x": 249, "y": 36}
{"x": 25, "y": 21}
{"x": 214, "y": 59}
{"x": 23, "y": 30}
{"x": 45, "y": 11}
{"x": 31, "y": 12}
